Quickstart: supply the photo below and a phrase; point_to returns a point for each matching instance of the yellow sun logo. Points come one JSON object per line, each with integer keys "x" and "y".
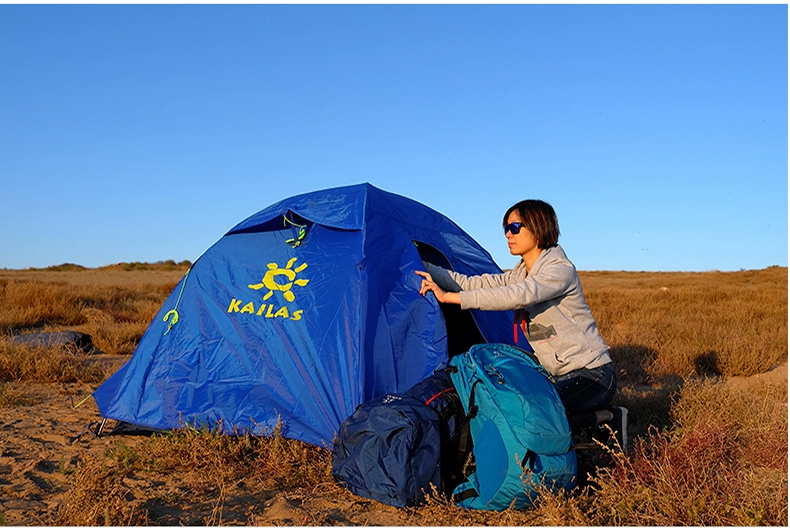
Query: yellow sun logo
{"x": 276, "y": 271}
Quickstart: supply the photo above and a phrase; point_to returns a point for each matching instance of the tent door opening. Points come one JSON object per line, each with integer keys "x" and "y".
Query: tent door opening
{"x": 462, "y": 331}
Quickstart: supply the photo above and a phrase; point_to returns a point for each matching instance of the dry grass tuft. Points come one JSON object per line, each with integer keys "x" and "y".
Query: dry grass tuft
{"x": 48, "y": 364}
{"x": 10, "y": 395}
{"x": 209, "y": 466}
{"x": 756, "y": 420}
{"x": 27, "y": 304}
{"x": 116, "y": 317}
{"x": 681, "y": 324}
{"x": 100, "y": 496}
{"x": 279, "y": 463}
{"x": 724, "y": 463}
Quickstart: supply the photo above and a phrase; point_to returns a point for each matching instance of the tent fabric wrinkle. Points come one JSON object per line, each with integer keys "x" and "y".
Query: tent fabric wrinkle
{"x": 271, "y": 330}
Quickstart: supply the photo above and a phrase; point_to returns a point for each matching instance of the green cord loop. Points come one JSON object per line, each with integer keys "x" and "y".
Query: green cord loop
{"x": 174, "y": 311}
{"x": 296, "y": 240}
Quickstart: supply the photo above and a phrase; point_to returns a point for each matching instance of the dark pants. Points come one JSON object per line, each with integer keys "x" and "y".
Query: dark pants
{"x": 585, "y": 391}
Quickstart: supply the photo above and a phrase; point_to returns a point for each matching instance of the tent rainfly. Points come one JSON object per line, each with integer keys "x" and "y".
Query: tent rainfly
{"x": 299, "y": 314}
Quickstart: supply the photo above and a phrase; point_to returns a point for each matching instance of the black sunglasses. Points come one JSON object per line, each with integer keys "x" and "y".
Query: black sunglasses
{"x": 514, "y": 227}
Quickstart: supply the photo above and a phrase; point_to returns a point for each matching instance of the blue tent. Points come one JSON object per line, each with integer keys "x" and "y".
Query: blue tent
{"x": 301, "y": 313}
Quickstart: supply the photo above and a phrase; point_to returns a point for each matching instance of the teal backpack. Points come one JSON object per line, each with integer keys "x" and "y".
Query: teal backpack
{"x": 517, "y": 425}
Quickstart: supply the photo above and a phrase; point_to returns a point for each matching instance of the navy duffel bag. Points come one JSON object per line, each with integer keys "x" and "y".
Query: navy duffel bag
{"x": 395, "y": 449}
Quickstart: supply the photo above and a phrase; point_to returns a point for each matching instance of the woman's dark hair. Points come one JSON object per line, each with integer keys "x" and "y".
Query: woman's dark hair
{"x": 540, "y": 219}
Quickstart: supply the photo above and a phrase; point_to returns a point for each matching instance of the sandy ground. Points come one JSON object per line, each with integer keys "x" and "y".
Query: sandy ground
{"x": 38, "y": 451}
{"x": 37, "y": 448}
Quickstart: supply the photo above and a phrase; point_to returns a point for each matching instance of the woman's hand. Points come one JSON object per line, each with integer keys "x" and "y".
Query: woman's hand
{"x": 441, "y": 295}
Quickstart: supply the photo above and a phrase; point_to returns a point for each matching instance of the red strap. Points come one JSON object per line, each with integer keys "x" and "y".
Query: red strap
{"x": 438, "y": 394}
{"x": 518, "y": 317}
{"x": 515, "y": 327}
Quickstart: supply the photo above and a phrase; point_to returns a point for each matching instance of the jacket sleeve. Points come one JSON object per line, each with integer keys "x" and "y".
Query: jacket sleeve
{"x": 552, "y": 280}
{"x": 454, "y": 282}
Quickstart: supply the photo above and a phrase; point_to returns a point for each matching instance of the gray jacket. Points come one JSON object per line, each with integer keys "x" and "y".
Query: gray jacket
{"x": 561, "y": 328}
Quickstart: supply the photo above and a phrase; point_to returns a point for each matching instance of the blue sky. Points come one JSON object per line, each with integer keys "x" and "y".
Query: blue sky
{"x": 145, "y": 132}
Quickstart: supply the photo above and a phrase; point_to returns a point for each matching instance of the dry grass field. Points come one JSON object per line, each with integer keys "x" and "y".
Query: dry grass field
{"x": 702, "y": 360}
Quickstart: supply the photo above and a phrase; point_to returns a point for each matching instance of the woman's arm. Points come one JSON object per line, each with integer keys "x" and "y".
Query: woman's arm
{"x": 551, "y": 281}
{"x": 446, "y": 285}
{"x": 452, "y": 281}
